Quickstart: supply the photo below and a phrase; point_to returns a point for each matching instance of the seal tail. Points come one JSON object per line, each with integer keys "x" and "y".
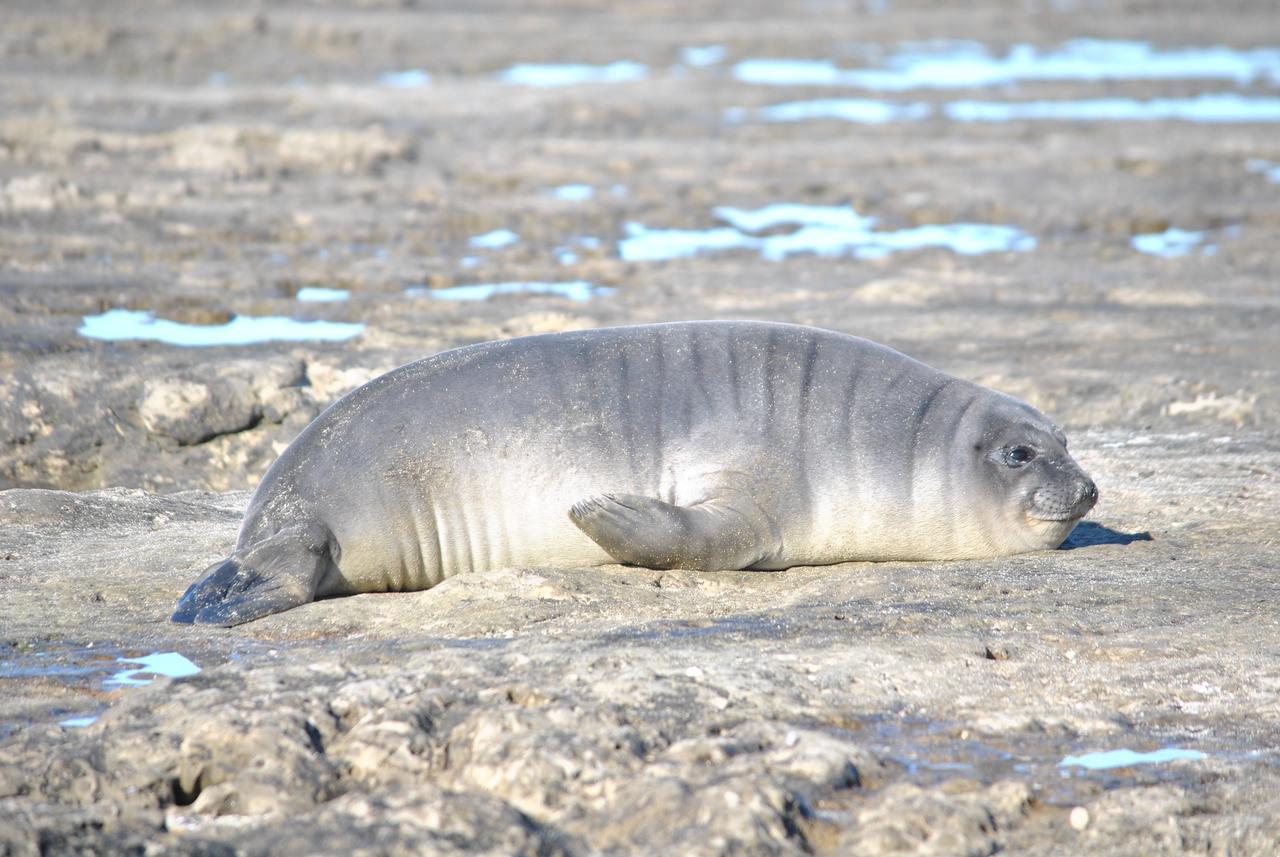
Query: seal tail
{"x": 269, "y": 576}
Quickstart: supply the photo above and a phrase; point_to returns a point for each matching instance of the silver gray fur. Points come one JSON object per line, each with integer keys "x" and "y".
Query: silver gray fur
{"x": 699, "y": 444}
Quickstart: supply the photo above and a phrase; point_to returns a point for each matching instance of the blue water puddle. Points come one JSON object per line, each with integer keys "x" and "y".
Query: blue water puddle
{"x": 1211, "y": 108}
{"x": 1125, "y": 758}
{"x": 1214, "y": 107}
{"x": 1264, "y": 168}
{"x": 821, "y": 230}
{"x": 495, "y": 239}
{"x": 703, "y": 57}
{"x": 1172, "y": 243}
{"x": 569, "y": 74}
{"x": 87, "y": 666}
{"x": 119, "y": 324}
{"x": 414, "y": 78}
{"x": 573, "y": 192}
{"x": 867, "y": 111}
{"x": 169, "y": 664}
{"x": 315, "y": 294}
{"x": 959, "y": 65}
{"x": 575, "y": 290}
{"x": 567, "y": 253}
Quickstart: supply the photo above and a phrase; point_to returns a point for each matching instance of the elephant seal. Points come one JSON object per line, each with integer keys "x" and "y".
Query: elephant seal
{"x": 706, "y": 445}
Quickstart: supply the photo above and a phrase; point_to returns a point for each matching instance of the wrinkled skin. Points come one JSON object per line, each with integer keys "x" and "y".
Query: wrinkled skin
{"x": 710, "y": 445}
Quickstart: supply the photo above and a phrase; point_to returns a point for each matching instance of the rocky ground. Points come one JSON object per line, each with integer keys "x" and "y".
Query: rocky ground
{"x": 204, "y": 163}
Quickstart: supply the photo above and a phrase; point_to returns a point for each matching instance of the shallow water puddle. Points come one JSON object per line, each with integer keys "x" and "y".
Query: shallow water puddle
{"x": 568, "y": 74}
{"x": 90, "y": 666}
{"x": 1210, "y": 108}
{"x": 169, "y": 664}
{"x": 414, "y": 78}
{"x": 575, "y": 290}
{"x": 120, "y": 324}
{"x": 704, "y": 56}
{"x": 573, "y": 192}
{"x": 1264, "y": 168}
{"x": 958, "y": 65}
{"x": 566, "y": 254}
{"x": 820, "y": 230}
{"x": 866, "y": 111}
{"x": 1172, "y": 243}
{"x": 493, "y": 240}
{"x": 315, "y": 294}
{"x": 1213, "y": 107}
{"x": 1125, "y": 758}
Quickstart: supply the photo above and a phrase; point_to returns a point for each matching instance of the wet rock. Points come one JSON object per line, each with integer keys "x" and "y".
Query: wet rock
{"x": 413, "y": 821}
{"x": 905, "y": 819}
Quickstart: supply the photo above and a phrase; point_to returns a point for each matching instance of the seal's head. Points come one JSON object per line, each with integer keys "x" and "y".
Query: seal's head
{"x": 1022, "y": 458}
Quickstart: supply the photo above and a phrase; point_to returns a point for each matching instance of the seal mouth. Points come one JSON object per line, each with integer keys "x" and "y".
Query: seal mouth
{"x": 1048, "y": 518}
{"x": 1063, "y": 503}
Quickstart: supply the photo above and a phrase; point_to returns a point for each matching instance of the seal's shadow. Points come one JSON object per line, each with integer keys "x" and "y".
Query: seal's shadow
{"x": 1087, "y": 534}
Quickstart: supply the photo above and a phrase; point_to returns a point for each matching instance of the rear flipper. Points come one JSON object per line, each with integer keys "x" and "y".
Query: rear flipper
{"x": 270, "y": 576}
{"x": 714, "y": 534}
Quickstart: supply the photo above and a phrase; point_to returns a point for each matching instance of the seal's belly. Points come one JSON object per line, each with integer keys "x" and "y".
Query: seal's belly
{"x": 476, "y": 512}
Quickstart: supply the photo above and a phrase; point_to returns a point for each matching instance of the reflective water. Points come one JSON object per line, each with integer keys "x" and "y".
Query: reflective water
{"x": 703, "y": 57}
{"x": 1214, "y": 107}
{"x": 170, "y": 664}
{"x": 957, "y": 65}
{"x": 566, "y": 254}
{"x": 821, "y": 230}
{"x": 575, "y": 290}
{"x": 568, "y": 74}
{"x": 413, "y": 78}
{"x": 868, "y": 111}
{"x": 646, "y": 245}
{"x": 574, "y": 192}
{"x": 120, "y": 324}
{"x": 496, "y": 238}
{"x": 318, "y": 295}
{"x": 1264, "y": 168}
{"x": 1125, "y": 758}
{"x": 88, "y": 668}
{"x": 781, "y": 214}
{"x": 1172, "y": 243}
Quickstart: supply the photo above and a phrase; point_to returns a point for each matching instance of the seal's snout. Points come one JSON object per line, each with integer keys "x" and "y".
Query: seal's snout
{"x": 1086, "y": 495}
{"x": 1064, "y": 501}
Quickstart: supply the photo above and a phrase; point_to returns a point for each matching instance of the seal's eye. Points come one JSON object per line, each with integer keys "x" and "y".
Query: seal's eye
{"x": 1017, "y": 456}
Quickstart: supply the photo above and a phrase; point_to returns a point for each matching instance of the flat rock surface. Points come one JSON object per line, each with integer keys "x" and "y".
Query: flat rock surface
{"x": 208, "y": 164}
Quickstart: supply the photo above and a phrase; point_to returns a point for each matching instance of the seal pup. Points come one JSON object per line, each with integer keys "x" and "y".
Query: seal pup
{"x": 705, "y": 445}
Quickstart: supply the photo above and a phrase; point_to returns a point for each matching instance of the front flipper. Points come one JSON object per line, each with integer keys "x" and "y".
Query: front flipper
{"x": 716, "y": 534}
{"x": 268, "y": 576}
